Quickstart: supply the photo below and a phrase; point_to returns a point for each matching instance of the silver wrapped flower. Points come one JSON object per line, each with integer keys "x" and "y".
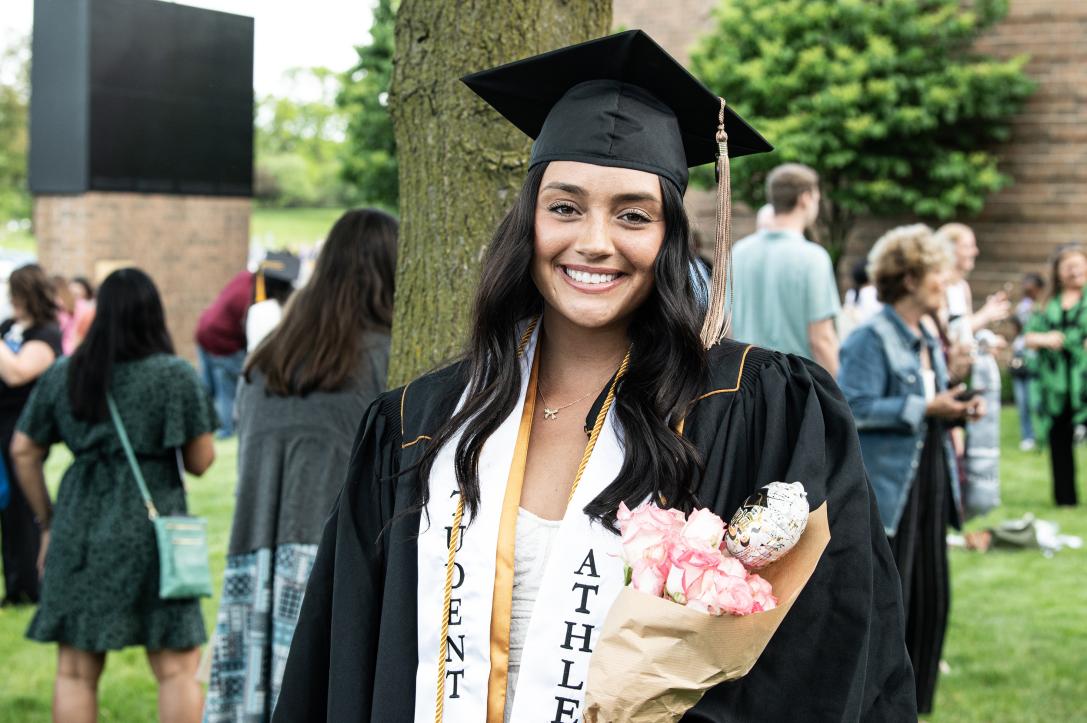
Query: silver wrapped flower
{"x": 768, "y": 524}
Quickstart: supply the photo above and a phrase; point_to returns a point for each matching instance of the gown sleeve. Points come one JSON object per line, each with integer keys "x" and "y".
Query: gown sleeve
{"x": 840, "y": 654}
{"x": 332, "y": 662}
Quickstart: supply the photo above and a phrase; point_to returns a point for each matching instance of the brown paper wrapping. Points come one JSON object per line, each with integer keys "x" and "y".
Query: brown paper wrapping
{"x": 655, "y": 659}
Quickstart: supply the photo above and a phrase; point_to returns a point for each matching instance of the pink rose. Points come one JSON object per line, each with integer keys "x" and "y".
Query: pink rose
{"x": 762, "y": 593}
{"x": 690, "y": 573}
{"x": 732, "y": 567}
{"x": 646, "y": 576}
{"x": 647, "y": 532}
{"x": 703, "y": 530}
{"x": 733, "y": 595}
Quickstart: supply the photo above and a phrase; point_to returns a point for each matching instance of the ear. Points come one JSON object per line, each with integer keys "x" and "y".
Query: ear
{"x": 910, "y": 282}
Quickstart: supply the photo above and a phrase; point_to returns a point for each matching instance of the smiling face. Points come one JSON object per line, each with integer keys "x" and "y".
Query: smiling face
{"x": 1072, "y": 270}
{"x": 597, "y": 234}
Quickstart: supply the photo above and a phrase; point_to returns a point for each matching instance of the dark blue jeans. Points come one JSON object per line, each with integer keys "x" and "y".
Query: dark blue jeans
{"x": 1021, "y": 388}
{"x": 220, "y": 375}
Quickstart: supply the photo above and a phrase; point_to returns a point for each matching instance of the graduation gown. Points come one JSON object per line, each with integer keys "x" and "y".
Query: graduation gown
{"x": 764, "y": 416}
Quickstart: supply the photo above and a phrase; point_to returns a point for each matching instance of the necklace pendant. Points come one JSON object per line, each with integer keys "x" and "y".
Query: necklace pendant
{"x": 550, "y": 413}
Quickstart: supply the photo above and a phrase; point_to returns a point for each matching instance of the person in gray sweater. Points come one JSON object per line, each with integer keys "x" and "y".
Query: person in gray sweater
{"x": 303, "y": 392}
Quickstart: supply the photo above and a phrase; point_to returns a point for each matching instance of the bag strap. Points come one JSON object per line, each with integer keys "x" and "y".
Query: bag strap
{"x": 152, "y": 513}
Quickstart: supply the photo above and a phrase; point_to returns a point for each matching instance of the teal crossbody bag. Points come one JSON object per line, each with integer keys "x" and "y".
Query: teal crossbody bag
{"x": 182, "y": 540}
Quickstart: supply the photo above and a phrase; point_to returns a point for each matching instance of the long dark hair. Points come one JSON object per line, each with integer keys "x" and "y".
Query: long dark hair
{"x": 31, "y": 289}
{"x": 316, "y": 346}
{"x": 128, "y": 325}
{"x": 666, "y": 368}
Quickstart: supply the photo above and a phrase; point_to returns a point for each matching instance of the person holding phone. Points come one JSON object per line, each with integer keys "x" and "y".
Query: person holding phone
{"x": 895, "y": 378}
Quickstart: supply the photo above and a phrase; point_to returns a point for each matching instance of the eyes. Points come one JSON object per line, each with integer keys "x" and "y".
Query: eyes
{"x": 628, "y": 216}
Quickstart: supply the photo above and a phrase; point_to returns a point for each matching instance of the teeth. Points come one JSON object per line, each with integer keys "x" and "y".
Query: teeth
{"x": 585, "y": 277}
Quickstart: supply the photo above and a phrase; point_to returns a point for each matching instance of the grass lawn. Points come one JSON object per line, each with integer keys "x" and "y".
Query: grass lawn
{"x": 1015, "y": 645}
{"x": 293, "y": 228}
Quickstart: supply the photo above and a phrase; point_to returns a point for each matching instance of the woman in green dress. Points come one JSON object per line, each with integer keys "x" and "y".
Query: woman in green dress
{"x": 99, "y": 560}
{"x": 1059, "y": 333}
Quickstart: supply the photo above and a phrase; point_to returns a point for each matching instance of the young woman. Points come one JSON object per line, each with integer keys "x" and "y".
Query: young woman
{"x": 896, "y": 381}
{"x": 471, "y": 560}
{"x": 302, "y": 394}
{"x": 31, "y": 342}
{"x": 1058, "y": 332}
{"x": 99, "y": 560}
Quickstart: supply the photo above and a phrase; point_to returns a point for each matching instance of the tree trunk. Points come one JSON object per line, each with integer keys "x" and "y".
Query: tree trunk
{"x": 461, "y": 164}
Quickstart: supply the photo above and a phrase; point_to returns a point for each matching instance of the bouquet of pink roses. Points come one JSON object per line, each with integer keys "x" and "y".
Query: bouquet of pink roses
{"x": 684, "y": 561}
{"x": 656, "y": 658}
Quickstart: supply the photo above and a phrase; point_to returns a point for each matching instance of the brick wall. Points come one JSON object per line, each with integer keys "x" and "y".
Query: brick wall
{"x": 1047, "y": 154}
{"x": 190, "y": 245}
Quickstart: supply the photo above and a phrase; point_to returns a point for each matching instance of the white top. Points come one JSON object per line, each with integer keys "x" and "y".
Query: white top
{"x": 956, "y": 299}
{"x": 261, "y": 318}
{"x": 928, "y": 376}
{"x": 535, "y": 536}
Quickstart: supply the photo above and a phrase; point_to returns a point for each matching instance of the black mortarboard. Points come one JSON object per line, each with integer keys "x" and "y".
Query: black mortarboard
{"x": 624, "y": 101}
{"x": 281, "y": 265}
{"x": 621, "y": 101}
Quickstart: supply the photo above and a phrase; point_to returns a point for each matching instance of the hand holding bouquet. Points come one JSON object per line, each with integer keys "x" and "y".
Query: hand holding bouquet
{"x": 693, "y": 615}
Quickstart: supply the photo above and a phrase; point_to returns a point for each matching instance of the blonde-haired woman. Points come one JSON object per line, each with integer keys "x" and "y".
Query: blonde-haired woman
{"x": 894, "y": 376}
{"x": 1059, "y": 333}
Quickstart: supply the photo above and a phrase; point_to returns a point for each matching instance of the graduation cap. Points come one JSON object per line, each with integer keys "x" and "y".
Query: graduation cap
{"x": 279, "y": 265}
{"x": 623, "y": 101}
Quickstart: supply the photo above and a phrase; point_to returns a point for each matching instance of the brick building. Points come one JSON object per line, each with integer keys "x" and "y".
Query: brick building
{"x": 1046, "y": 156}
{"x": 190, "y": 245}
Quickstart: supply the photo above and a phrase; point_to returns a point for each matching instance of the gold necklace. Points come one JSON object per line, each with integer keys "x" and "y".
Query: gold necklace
{"x": 553, "y": 412}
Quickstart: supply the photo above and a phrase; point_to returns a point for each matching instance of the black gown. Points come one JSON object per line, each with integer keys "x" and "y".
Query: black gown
{"x": 764, "y": 416}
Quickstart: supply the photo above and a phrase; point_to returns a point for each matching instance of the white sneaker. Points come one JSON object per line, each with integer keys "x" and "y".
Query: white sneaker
{"x": 1027, "y": 445}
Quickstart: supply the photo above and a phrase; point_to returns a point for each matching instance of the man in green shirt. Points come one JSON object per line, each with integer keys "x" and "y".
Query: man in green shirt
{"x": 786, "y": 296}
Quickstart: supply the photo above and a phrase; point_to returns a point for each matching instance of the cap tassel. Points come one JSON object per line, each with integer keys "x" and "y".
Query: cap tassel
{"x": 718, "y": 319}
{"x": 259, "y": 294}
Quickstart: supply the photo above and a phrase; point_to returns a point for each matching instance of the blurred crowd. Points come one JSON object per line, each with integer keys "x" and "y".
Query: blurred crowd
{"x": 289, "y": 367}
{"x": 922, "y": 370}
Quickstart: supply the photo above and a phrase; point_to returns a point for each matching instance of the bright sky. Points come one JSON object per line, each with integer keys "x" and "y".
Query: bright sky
{"x": 289, "y": 33}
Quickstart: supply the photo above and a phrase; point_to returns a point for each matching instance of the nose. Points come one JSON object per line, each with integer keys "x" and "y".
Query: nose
{"x": 595, "y": 241}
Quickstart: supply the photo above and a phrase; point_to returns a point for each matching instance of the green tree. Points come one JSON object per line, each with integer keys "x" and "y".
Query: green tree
{"x": 887, "y": 100}
{"x": 461, "y": 164}
{"x": 368, "y": 162}
{"x": 298, "y": 141}
{"x": 14, "y": 97}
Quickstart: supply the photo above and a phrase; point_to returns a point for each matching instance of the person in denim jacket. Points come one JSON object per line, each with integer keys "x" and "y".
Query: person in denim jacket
{"x": 894, "y": 376}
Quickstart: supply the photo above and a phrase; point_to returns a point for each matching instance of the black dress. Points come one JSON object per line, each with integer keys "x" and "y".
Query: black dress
{"x": 764, "y": 416}
{"x": 21, "y": 536}
{"x": 920, "y": 551}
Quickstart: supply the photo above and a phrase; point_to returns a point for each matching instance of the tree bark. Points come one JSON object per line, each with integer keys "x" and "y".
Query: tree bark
{"x": 461, "y": 164}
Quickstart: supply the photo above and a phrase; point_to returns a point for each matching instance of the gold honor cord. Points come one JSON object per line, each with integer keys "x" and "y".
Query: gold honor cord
{"x": 599, "y": 425}
{"x": 454, "y": 539}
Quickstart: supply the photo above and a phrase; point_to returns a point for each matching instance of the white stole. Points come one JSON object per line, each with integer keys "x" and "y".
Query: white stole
{"x": 583, "y": 576}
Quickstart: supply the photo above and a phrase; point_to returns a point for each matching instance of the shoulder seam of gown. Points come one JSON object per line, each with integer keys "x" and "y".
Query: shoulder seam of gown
{"x": 739, "y": 378}
{"x": 730, "y": 390}
{"x": 421, "y": 437}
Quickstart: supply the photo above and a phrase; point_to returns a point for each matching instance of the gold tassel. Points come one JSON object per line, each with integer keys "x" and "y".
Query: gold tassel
{"x": 258, "y": 293}
{"x": 718, "y": 321}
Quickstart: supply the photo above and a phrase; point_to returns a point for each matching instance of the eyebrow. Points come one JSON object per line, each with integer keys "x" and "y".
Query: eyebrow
{"x": 621, "y": 198}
